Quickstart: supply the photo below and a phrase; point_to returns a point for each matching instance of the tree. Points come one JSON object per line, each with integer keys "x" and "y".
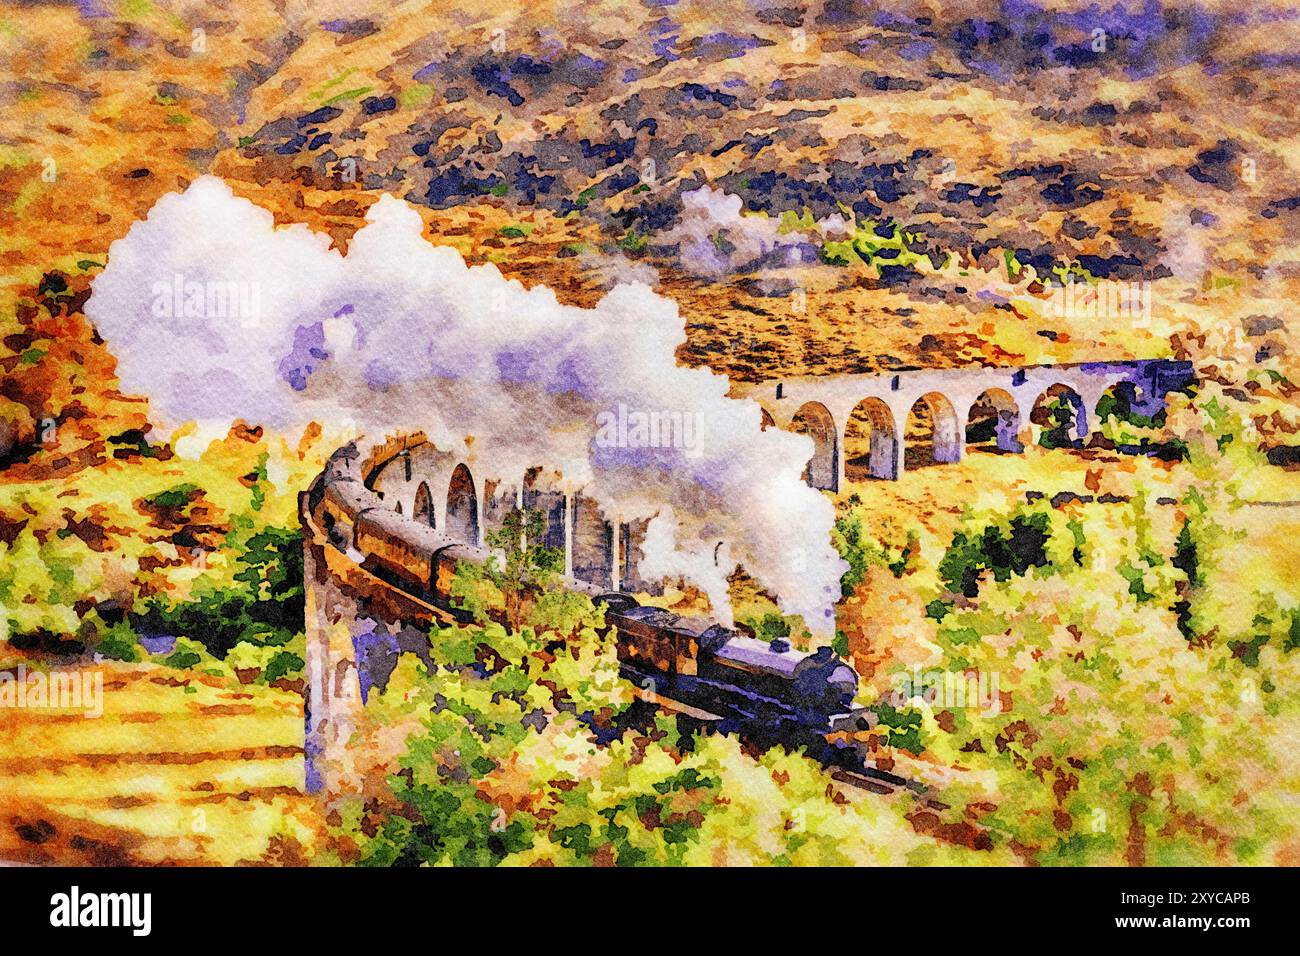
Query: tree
{"x": 529, "y": 566}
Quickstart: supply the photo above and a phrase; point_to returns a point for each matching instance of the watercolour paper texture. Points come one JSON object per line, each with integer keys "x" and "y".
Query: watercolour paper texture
{"x": 649, "y": 432}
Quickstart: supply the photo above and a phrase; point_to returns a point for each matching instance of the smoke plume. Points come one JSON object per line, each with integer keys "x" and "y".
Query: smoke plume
{"x": 216, "y": 314}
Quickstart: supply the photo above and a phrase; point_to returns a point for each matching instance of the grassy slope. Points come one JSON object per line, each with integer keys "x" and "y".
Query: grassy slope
{"x": 181, "y": 768}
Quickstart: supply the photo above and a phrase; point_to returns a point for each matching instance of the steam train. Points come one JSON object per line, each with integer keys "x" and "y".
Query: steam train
{"x": 768, "y": 692}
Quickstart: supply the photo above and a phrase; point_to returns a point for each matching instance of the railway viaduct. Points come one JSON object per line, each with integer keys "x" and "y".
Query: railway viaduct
{"x": 859, "y": 424}
{"x": 859, "y": 428}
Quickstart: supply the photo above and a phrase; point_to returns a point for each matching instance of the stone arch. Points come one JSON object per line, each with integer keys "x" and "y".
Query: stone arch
{"x": 550, "y": 503}
{"x": 870, "y": 442}
{"x": 814, "y": 420}
{"x": 499, "y": 499}
{"x": 593, "y": 543}
{"x": 462, "y": 506}
{"x": 994, "y": 421}
{"x": 931, "y": 436}
{"x": 631, "y": 539}
{"x": 1128, "y": 419}
{"x": 387, "y": 481}
{"x": 1061, "y": 417}
{"x": 422, "y": 509}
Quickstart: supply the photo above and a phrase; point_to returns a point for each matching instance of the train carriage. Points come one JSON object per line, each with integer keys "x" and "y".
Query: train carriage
{"x": 659, "y": 639}
{"x": 396, "y": 547}
{"x": 343, "y": 503}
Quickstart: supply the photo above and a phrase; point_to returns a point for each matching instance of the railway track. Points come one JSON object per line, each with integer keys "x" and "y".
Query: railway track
{"x": 867, "y": 779}
{"x": 879, "y": 781}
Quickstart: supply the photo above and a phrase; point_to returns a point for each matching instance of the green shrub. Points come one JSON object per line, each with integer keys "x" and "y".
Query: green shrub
{"x": 520, "y": 760}
{"x": 1004, "y": 550}
{"x": 184, "y": 655}
{"x": 266, "y": 609}
{"x": 120, "y": 643}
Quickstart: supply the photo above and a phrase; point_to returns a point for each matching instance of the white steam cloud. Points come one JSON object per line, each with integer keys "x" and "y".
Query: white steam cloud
{"x": 714, "y": 236}
{"x": 217, "y": 314}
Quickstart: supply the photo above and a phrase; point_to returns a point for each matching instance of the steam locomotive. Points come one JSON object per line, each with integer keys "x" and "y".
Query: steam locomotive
{"x": 769, "y": 692}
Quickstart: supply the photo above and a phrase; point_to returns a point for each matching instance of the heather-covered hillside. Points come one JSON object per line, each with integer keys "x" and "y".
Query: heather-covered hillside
{"x": 888, "y": 170}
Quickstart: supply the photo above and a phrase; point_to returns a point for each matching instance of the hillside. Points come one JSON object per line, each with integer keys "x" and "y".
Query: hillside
{"x": 980, "y": 131}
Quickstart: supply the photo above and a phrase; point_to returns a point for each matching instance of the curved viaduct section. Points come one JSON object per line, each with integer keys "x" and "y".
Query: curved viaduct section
{"x": 859, "y": 423}
{"x": 439, "y": 490}
{"x": 359, "y": 618}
